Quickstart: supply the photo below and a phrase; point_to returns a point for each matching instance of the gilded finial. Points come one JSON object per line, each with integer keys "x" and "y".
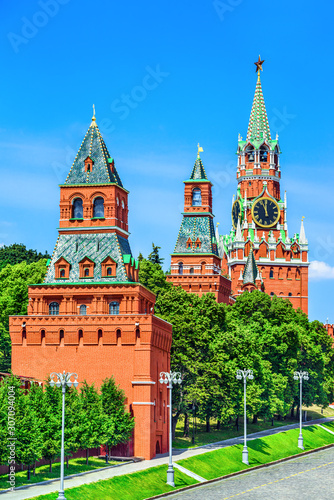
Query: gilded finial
{"x": 199, "y": 150}
{"x": 93, "y": 117}
{"x": 303, "y": 218}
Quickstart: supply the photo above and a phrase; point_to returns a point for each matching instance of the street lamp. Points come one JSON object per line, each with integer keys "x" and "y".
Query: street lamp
{"x": 245, "y": 374}
{"x": 171, "y": 378}
{"x": 300, "y": 376}
{"x": 63, "y": 380}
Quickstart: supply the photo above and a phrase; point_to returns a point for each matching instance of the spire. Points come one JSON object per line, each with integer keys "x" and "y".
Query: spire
{"x": 101, "y": 166}
{"x": 93, "y": 124}
{"x": 238, "y": 235}
{"x": 251, "y": 271}
{"x": 302, "y": 236}
{"x": 258, "y": 128}
{"x": 198, "y": 172}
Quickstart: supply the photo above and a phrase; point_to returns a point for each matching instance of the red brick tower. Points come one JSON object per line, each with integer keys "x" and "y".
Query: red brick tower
{"x": 91, "y": 316}
{"x": 259, "y": 216}
{"x": 195, "y": 263}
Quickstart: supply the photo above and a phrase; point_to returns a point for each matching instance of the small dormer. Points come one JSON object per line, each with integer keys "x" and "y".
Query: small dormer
{"x": 198, "y": 243}
{"x": 109, "y": 267}
{"x": 189, "y": 243}
{"x": 86, "y": 268}
{"x": 62, "y": 269}
{"x": 88, "y": 164}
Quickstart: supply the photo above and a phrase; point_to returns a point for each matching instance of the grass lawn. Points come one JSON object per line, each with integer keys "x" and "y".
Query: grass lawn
{"x": 136, "y": 486}
{"x": 202, "y": 437}
{"x": 144, "y": 484}
{"x": 329, "y": 425}
{"x": 76, "y": 465}
{"x": 267, "y": 449}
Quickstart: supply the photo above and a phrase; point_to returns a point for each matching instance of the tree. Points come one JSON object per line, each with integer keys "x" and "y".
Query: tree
{"x": 29, "y": 444}
{"x": 16, "y": 253}
{"x": 154, "y": 255}
{"x": 152, "y": 276}
{"x": 119, "y": 423}
{"x": 91, "y": 419}
{"x": 10, "y": 395}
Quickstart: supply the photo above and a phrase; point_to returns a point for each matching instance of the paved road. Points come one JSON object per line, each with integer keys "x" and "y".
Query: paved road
{"x": 306, "y": 478}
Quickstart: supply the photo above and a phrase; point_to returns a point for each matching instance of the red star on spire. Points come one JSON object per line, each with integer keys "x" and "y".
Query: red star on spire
{"x": 258, "y": 64}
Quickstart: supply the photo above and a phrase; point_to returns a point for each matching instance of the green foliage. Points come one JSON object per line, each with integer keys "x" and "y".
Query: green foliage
{"x": 154, "y": 256}
{"x": 91, "y": 419}
{"x": 211, "y": 341}
{"x": 16, "y": 253}
{"x": 119, "y": 423}
{"x": 152, "y": 276}
{"x": 14, "y": 281}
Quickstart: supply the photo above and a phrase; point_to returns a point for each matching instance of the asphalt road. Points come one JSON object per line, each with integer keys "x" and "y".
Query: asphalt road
{"x": 306, "y": 478}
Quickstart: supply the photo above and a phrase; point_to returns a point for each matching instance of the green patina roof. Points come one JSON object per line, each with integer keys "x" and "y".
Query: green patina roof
{"x": 250, "y": 272}
{"x": 258, "y": 127}
{"x": 194, "y": 228}
{"x": 95, "y": 246}
{"x": 198, "y": 172}
{"x": 103, "y": 170}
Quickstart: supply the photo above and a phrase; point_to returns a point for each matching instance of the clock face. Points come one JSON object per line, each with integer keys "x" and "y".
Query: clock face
{"x": 236, "y": 213}
{"x": 265, "y": 212}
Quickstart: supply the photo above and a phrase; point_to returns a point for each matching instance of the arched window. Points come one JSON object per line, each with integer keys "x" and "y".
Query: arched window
{"x": 263, "y": 154}
{"x": 54, "y": 308}
{"x": 62, "y": 273}
{"x": 272, "y": 294}
{"x": 191, "y": 271}
{"x": 250, "y": 153}
{"x": 197, "y": 198}
{"x": 271, "y": 274}
{"x": 114, "y": 308}
{"x": 83, "y": 310}
{"x": 123, "y": 205}
{"x": 202, "y": 267}
{"x": 290, "y": 294}
{"x": 109, "y": 271}
{"x": 77, "y": 209}
{"x": 117, "y": 201}
{"x": 98, "y": 207}
{"x": 180, "y": 268}
{"x": 86, "y": 272}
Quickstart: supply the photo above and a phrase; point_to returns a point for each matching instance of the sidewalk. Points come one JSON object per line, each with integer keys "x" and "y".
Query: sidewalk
{"x": 178, "y": 454}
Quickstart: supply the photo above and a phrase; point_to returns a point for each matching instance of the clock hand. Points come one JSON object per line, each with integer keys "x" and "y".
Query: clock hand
{"x": 265, "y": 208}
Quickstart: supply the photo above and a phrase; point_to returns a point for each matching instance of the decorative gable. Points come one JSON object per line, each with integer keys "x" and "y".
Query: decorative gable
{"x": 86, "y": 268}
{"x": 88, "y": 164}
{"x": 62, "y": 269}
{"x": 109, "y": 267}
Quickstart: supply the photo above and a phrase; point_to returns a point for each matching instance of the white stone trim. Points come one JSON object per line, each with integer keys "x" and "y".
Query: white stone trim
{"x": 143, "y": 382}
{"x": 143, "y": 403}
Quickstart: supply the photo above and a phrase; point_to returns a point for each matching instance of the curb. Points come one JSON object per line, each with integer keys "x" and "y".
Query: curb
{"x": 49, "y": 481}
{"x": 238, "y": 473}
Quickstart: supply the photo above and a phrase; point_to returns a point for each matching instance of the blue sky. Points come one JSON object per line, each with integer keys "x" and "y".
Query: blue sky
{"x": 163, "y": 77}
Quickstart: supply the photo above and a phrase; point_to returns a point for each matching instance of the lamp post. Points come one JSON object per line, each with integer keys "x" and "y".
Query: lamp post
{"x": 170, "y": 378}
{"x": 244, "y": 374}
{"x": 63, "y": 380}
{"x": 300, "y": 376}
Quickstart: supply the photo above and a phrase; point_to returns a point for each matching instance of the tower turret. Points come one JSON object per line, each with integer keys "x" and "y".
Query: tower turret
{"x": 258, "y": 209}
{"x": 196, "y": 261}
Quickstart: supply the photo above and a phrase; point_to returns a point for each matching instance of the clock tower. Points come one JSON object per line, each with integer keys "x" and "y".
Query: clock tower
{"x": 259, "y": 216}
